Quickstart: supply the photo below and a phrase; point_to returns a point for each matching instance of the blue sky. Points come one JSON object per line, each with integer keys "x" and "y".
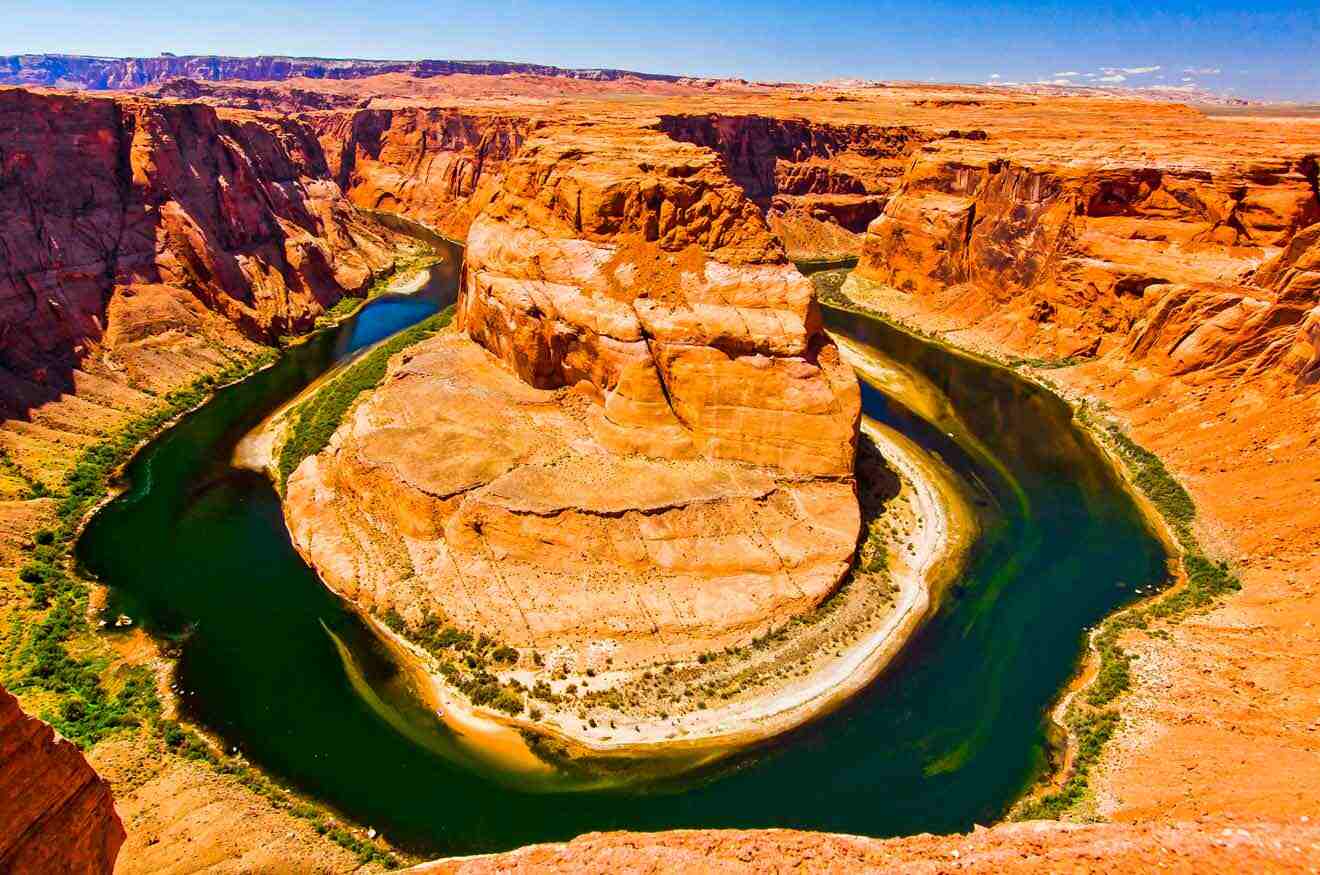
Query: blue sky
{"x": 1257, "y": 50}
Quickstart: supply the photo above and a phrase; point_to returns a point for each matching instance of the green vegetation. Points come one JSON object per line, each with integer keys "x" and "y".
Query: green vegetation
{"x": 88, "y": 704}
{"x": 1155, "y": 481}
{"x": 315, "y": 420}
{"x": 32, "y": 488}
{"x": 350, "y": 304}
{"x": 463, "y": 657}
{"x": 1044, "y": 364}
{"x": 1092, "y": 731}
{"x": 85, "y": 711}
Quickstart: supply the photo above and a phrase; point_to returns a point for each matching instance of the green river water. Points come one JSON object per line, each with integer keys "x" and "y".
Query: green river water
{"x": 274, "y": 664}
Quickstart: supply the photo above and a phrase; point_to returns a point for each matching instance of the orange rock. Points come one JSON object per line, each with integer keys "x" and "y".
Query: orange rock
{"x": 56, "y": 814}
{"x": 523, "y": 526}
{"x": 114, "y": 194}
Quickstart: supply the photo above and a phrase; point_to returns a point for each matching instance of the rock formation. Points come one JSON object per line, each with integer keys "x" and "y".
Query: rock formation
{"x": 122, "y": 221}
{"x": 1013, "y": 848}
{"x": 423, "y": 162}
{"x": 588, "y": 502}
{"x": 56, "y": 814}
{"x": 1074, "y": 255}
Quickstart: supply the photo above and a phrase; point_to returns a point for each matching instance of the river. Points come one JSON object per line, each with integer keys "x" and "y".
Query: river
{"x": 270, "y": 661}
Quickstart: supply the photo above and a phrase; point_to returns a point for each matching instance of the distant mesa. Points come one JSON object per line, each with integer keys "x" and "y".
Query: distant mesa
{"x": 101, "y": 74}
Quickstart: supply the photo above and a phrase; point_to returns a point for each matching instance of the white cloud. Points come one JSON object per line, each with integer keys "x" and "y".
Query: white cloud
{"x": 1064, "y": 75}
{"x": 1115, "y": 77}
{"x": 1202, "y": 71}
{"x": 1188, "y": 79}
{"x": 995, "y": 76}
{"x": 1141, "y": 71}
{"x": 1054, "y": 82}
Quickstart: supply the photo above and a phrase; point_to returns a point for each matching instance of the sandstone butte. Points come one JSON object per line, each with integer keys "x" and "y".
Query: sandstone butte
{"x": 1171, "y": 256}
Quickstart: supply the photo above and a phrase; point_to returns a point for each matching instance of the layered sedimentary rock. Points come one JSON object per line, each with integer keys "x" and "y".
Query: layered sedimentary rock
{"x": 657, "y": 283}
{"x": 422, "y": 162}
{"x": 1201, "y": 260}
{"x": 820, "y": 184}
{"x": 642, "y": 447}
{"x": 127, "y": 220}
{"x": 56, "y": 814}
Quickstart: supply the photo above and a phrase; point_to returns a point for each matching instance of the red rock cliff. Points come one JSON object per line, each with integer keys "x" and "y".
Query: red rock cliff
{"x": 107, "y": 205}
{"x": 426, "y": 163}
{"x": 657, "y": 282}
{"x": 1205, "y": 263}
{"x": 56, "y": 814}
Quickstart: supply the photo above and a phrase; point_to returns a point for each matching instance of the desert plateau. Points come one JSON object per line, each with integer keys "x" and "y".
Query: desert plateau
{"x": 488, "y": 466}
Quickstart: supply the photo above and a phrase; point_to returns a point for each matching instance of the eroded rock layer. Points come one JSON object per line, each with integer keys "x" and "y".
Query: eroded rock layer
{"x": 458, "y": 491}
{"x": 56, "y": 814}
{"x": 126, "y": 221}
{"x": 647, "y": 451}
{"x": 1191, "y": 260}
{"x": 1016, "y": 847}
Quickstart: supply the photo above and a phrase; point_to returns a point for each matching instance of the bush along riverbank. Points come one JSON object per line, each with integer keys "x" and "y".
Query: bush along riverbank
{"x": 1094, "y": 713}
{"x": 54, "y": 660}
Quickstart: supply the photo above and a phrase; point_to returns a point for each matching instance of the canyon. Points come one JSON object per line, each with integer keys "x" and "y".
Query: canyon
{"x": 637, "y": 366}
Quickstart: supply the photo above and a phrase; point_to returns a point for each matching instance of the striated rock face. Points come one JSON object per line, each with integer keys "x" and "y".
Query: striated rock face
{"x": 820, "y": 184}
{"x": 56, "y": 814}
{"x": 106, "y": 205}
{"x": 425, "y": 163}
{"x": 460, "y": 491}
{"x": 77, "y": 71}
{"x": 647, "y": 438}
{"x": 658, "y": 284}
{"x": 1076, "y": 256}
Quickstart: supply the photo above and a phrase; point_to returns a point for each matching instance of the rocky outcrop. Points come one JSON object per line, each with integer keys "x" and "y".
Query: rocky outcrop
{"x": 659, "y": 285}
{"x": 1016, "y": 847}
{"x": 819, "y": 184}
{"x": 459, "y": 492}
{"x": 1270, "y": 324}
{"x": 648, "y": 437}
{"x": 425, "y": 163}
{"x": 1074, "y": 256}
{"x": 79, "y": 71}
{"x": 107, "y": 204}
{"x": 56, "y": 814}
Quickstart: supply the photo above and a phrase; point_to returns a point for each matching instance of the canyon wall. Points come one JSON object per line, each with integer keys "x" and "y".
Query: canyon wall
{"x": 56, "y": 814}
{"x": 426, "y": 163}
{"x": 819, "y": 184}
{"x": 123, "y": 221}
{"x": 1203, "y": 264}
